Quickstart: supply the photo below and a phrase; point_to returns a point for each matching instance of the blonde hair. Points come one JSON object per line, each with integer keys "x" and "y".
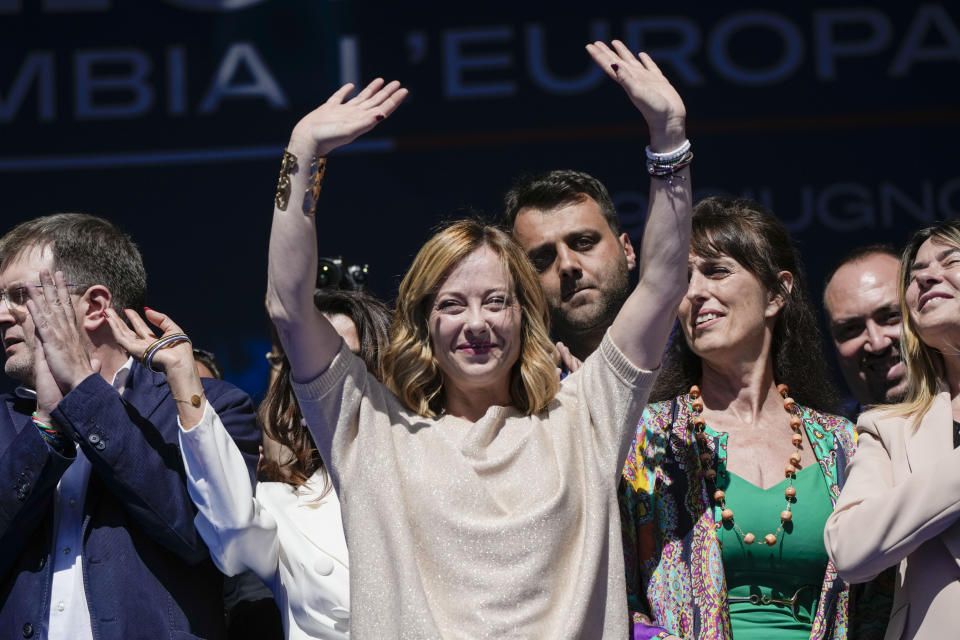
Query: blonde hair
{"x": 925, "y": 366}
{"x": 410, "y": 367}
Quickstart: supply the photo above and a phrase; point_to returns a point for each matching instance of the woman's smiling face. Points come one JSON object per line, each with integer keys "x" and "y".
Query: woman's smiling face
{"x": 726, "y": 307}
{"x": 933, "y": 294}
{"x": 475, "y": 324}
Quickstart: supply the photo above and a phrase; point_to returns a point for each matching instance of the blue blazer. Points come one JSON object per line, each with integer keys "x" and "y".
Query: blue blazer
{"x": 147, "y": 571}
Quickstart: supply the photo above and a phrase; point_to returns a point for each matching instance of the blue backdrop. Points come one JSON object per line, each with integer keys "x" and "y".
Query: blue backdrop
{"x": 169, "y": 117}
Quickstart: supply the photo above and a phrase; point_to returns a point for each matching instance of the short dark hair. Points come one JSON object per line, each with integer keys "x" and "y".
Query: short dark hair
{"x": 859, "y": 253}
{"x": 556, "y": 188}
{"x": 746, "y": 231}
{"x": 209, "y": 360}
{"x": 88, "y": 250}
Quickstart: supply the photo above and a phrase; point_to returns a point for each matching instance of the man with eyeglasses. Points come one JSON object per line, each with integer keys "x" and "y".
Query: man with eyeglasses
{"x": 97, "y": 536}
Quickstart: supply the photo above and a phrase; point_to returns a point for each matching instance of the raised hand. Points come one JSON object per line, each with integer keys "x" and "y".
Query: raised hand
{"x": 175, "y": 359}
{"x": 339, "y": 121}
{"x": 649, "y": 91}
{"x": 60, "y": 340}
{"x": 135, "y": 341}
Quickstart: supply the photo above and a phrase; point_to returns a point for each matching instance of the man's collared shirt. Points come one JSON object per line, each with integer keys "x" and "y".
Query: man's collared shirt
{"x": 69, "y": 613}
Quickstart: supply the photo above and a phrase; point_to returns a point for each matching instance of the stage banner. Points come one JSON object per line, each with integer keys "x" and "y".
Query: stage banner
{"x": 169, "y": 117}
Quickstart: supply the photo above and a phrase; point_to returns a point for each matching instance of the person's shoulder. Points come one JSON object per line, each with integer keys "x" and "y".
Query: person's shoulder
{"x": 213, "y": 385}
{"x": 884, "y": 418}
{"x": 221, "y": 390}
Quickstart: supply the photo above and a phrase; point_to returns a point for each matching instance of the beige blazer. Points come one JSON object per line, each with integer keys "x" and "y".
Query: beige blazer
{"x": 901, "y": 506}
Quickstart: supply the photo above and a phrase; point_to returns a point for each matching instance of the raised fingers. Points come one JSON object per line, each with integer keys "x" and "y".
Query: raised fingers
{"x": 341, "y": 94}
{"x": 42, "y": 327}
{"x": 392, "y": 102}
{"x": 139, "y": 326}
{"x": 63, "y": 293}
{"x": 624, "y": 53}
{"x": 163, "y": 321}
{"x": 49, "y": 290}
{"x": 368, "y": 90}
{"x": 648, "y": 63}
{"x": 605, "y": 59}
{"x": 124, "y": 336}
{"x": 383, "y": 94}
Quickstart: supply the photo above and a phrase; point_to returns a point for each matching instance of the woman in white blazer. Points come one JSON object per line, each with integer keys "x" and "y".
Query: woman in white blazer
{"x": 289, "y": 532}
{"x": 901, "y": 501}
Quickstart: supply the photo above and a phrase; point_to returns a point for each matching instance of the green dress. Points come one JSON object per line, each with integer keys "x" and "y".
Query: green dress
{"x": 793, "y": 566}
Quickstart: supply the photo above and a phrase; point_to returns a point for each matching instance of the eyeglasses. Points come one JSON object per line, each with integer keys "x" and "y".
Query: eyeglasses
{"x": 16, "y": 296}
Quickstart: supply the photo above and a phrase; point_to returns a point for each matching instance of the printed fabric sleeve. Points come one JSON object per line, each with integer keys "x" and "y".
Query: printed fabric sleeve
{"x": 636, "y": 518}
{"x": 239, "y": 532}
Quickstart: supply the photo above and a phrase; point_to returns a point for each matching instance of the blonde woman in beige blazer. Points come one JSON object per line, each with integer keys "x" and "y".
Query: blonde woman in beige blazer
{"x": 901, "y": 501}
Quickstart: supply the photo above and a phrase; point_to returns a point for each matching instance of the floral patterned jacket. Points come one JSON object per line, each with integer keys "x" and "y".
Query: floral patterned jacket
{"x": 675, "y": 576}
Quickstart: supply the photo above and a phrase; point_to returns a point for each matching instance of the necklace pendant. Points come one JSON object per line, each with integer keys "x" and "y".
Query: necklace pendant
{"x": 770, "y": 539}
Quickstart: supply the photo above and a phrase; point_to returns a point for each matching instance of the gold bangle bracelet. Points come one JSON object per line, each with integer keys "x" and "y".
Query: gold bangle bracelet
{"x": 287, "y": 166}
{"x": 318, "y": 169}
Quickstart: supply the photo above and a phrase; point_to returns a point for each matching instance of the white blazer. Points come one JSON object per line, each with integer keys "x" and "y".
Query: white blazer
{"x": 286, "y": 535}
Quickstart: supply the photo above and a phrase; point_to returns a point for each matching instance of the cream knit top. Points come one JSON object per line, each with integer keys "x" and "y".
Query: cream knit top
{"x": 503, "y": 528}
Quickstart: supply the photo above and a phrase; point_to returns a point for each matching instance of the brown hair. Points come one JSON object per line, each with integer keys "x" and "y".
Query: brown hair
{"x": 744, "y": 230}
{"x": 411, "y": 370}
{"x": 557, "y": 188}
{"x": 88, "y": 250}
{"x": 925, "y": 370}
{"x": 280, "y": 413}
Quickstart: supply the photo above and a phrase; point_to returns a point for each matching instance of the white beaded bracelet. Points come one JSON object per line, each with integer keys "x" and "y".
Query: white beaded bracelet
{"x": 670, "y": 156}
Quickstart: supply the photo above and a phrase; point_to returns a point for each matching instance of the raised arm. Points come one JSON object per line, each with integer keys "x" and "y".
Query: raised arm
{"x": 644, "y": 322}
{"x": 307, "y": 337}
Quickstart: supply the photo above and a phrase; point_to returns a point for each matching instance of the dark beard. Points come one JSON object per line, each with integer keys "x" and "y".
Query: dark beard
{"x": 568, "y": 330}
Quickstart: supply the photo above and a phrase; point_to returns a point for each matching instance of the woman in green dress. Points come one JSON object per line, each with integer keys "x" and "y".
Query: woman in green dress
{"x": 736, "y": 463}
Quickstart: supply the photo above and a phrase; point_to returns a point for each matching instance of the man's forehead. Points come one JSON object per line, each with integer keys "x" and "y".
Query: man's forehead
{"x": 535, "y": 225}
{"x": 27, "y": 262}
{"x": 860, "y": 288}
{"x": 873, "y": 271}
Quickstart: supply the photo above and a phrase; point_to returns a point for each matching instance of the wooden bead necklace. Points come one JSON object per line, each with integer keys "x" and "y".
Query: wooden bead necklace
{"x": 790, "y": 470}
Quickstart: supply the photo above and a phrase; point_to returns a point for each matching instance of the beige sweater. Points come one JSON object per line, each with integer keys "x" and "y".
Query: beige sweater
{"x": 503, "y": 528}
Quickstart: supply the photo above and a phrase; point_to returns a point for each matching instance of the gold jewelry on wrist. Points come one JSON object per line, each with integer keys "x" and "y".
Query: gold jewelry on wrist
{"x": 194, "y": 400}
{"x": 318, "y": 168}
{"x": 287, "y": 166}
{"x": 148, "y": 350}
{"x": 174, "y": 338}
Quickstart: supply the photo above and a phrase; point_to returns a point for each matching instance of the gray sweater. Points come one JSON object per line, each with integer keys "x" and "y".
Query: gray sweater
{"x": 503, "y": 528}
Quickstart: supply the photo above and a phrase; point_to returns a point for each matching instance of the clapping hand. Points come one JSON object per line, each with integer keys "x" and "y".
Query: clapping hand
{"x": 61, "y": 361}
